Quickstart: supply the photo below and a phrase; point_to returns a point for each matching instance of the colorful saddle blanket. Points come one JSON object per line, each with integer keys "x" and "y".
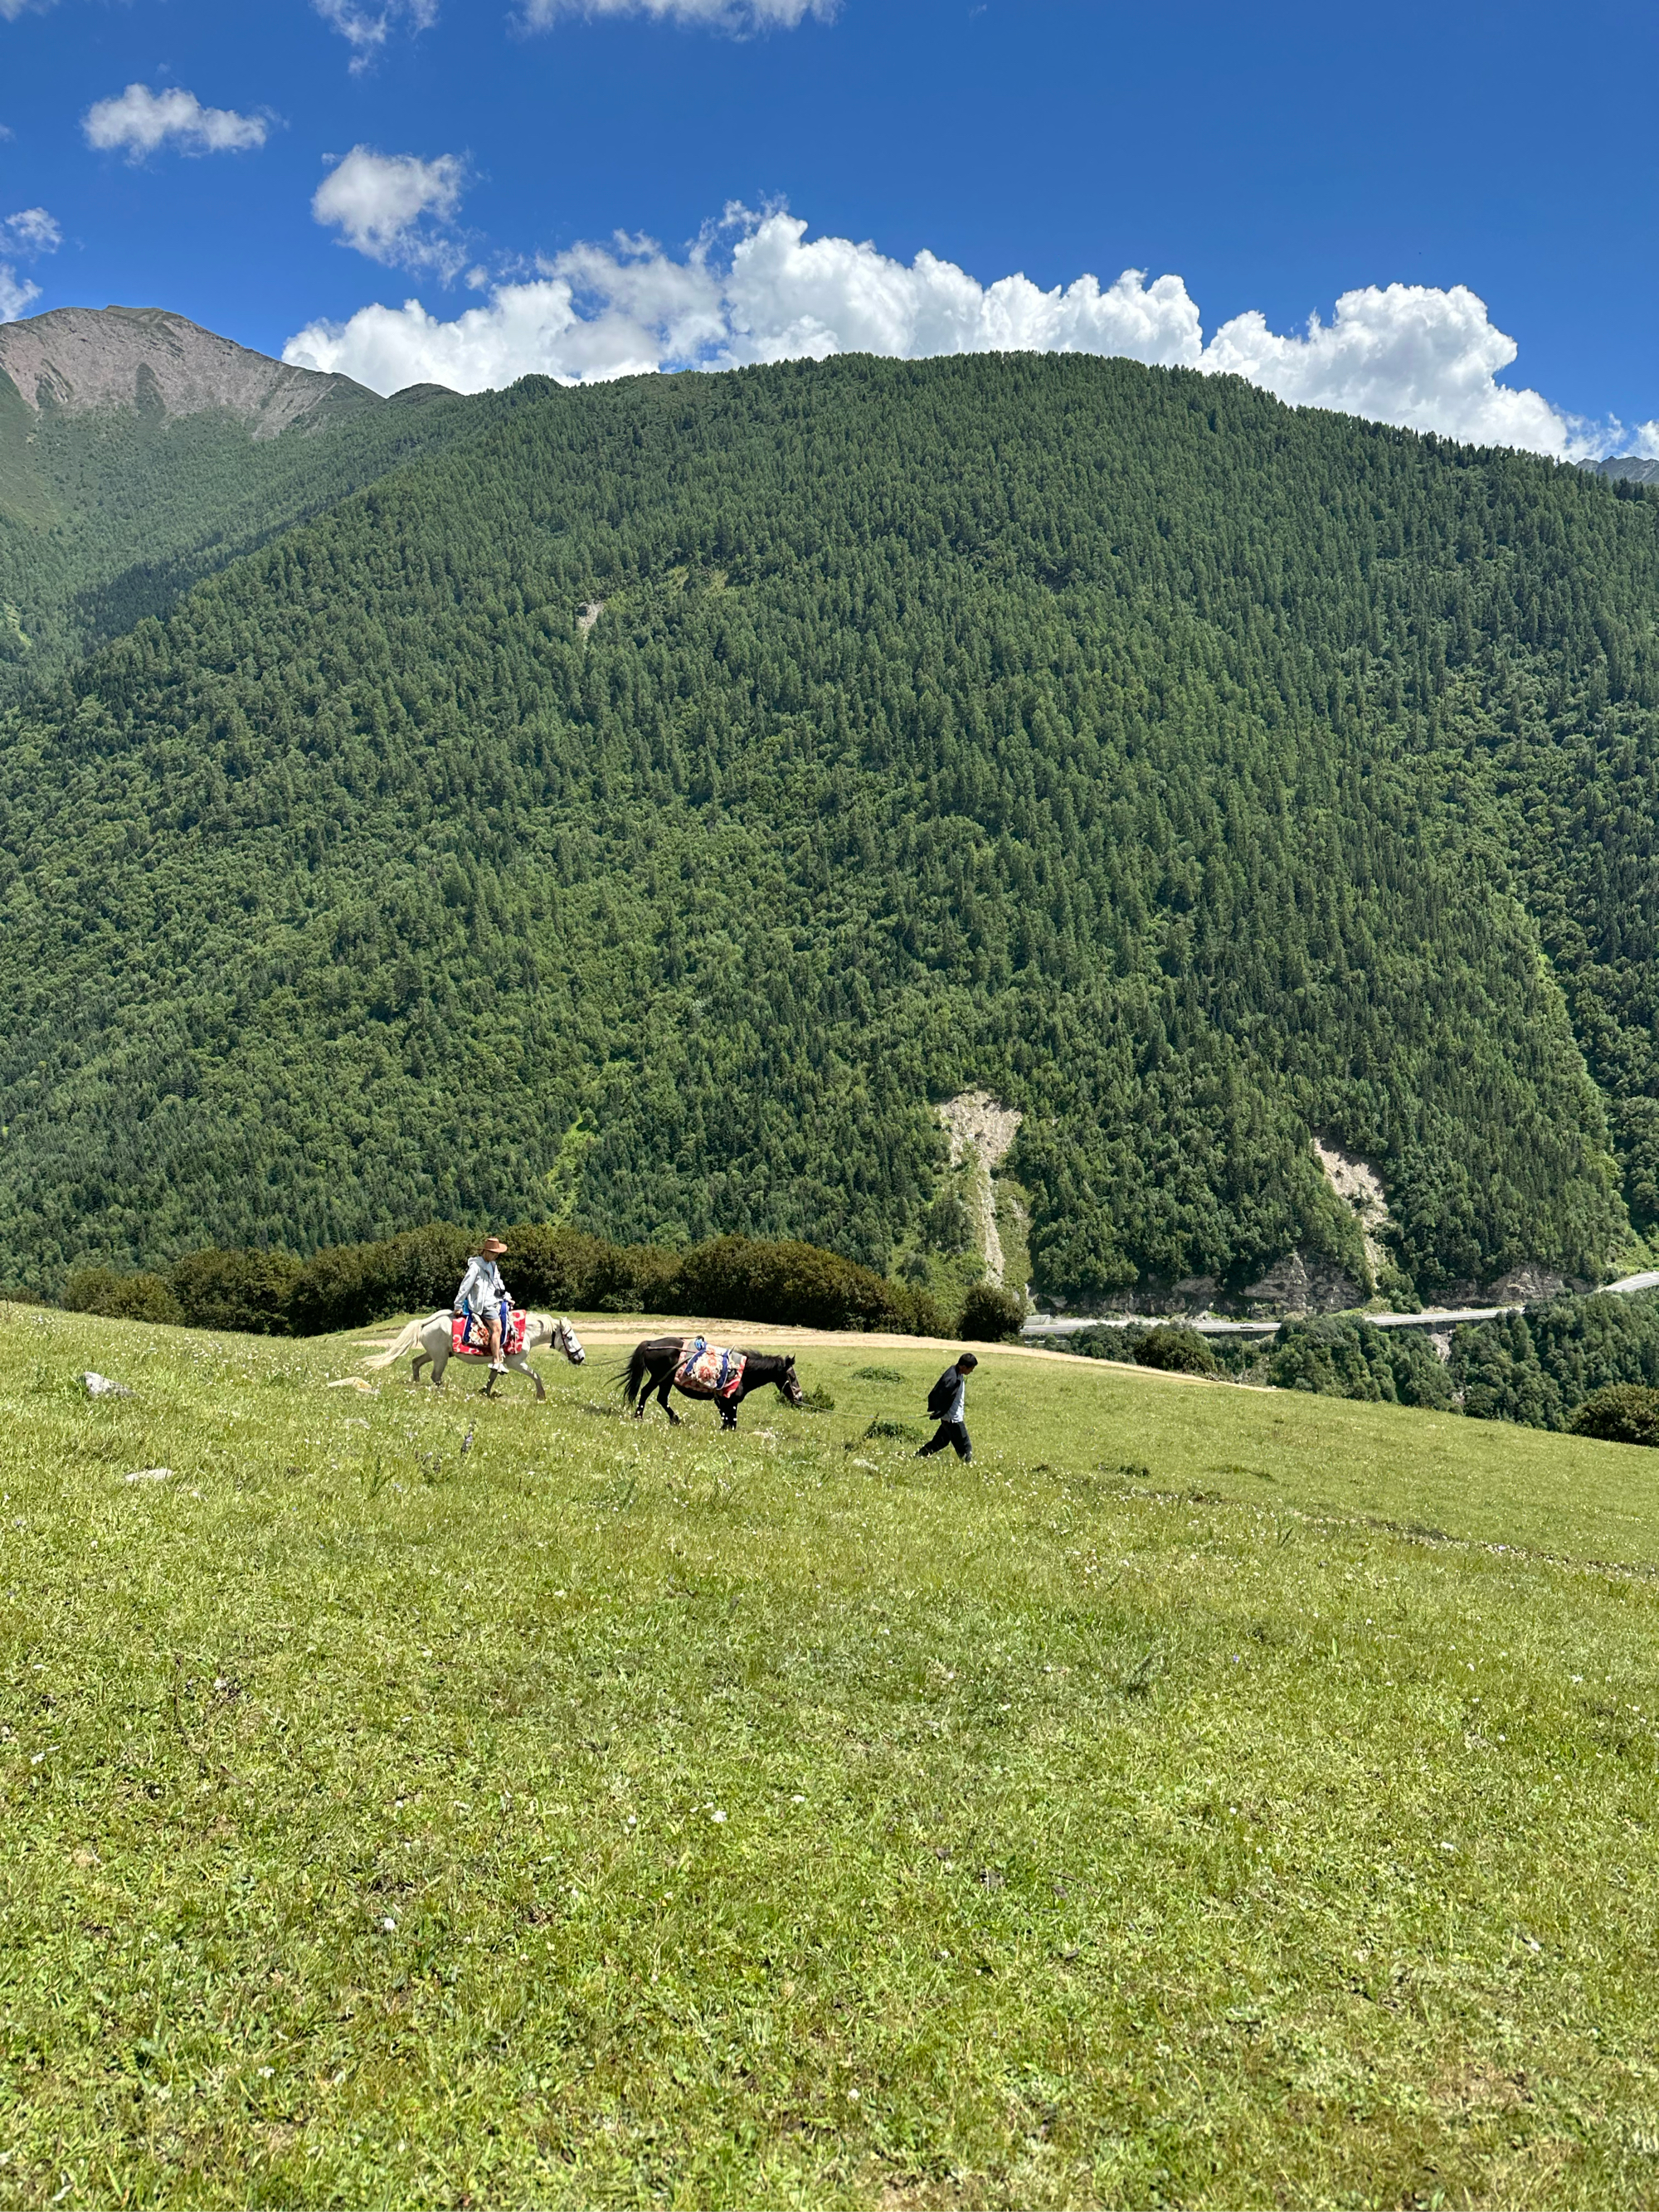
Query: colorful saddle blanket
{"x": 466, "y": 1334}
{"x": 710, "y": 1371}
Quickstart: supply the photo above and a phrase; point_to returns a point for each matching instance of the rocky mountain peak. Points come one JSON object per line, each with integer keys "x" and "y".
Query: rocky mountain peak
{"x": 77, "y": 359}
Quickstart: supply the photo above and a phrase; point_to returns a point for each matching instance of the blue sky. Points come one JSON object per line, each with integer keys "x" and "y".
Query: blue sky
{"x": 1271, "y": 160}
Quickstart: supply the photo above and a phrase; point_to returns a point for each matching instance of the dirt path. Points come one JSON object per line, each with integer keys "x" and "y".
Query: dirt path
{"x": 614, "y": 1331}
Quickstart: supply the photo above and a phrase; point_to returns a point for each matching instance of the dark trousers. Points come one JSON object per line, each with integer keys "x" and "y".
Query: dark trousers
{"x": 950, "y": 1432}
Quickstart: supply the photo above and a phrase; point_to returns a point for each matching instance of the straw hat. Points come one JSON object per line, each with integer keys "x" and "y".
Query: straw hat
{"x": 492, "y": 1248}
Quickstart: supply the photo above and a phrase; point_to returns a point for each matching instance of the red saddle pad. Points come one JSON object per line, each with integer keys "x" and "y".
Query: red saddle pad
{"x": 466, "y": 1334}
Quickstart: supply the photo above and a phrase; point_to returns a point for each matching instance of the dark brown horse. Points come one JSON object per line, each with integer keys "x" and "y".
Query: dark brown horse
{"x": 653, "y": 1366}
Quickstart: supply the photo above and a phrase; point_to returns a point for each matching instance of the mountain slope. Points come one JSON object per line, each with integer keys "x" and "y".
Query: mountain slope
{"x": 1196, "y": 775}
{"x": 139, "y": 452}
{"x": 79, "y": 361}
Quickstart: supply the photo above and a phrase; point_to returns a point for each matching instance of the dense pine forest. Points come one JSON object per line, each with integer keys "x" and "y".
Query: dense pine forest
{"x": 111, "y": 515}
{"x": 1195, "y": 774}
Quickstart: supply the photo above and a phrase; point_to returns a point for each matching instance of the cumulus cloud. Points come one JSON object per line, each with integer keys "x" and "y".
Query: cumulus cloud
{"x": 365, "y": 30}
{"x": 16, "y": 292}
{"x": 140, "y": 121}
{"x": 739, "y": 16}
{"x": 784, "y": 298}
{"x": 754, "y": 288}
{"x": 395, "y": 207}
{"x": 1403, "y": 354}
{"x": 30, "y": 232}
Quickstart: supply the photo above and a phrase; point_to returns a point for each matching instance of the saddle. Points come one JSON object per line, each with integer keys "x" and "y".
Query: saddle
{"x": 710, "y": 1371}
{"x": 466, "y": 1332}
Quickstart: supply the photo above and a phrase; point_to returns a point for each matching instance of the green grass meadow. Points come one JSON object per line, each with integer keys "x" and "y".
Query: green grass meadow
{"x": 1209, "y": 1797}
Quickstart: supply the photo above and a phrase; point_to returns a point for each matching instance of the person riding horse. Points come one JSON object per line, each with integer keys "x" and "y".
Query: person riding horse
{"x": 482, "y": 1296}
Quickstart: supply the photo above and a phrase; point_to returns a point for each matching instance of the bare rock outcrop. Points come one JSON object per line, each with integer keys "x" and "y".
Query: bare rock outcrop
{"x": 1529, "y": 1284}
{"x": 1358, "y": 1184}
{"x": 974, "y": 1123}
{"x": 152, "y": 360}
{"x": 1301, "y": 1283}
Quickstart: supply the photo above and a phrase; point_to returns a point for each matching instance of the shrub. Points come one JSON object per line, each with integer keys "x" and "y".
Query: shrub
{"x": 240, "y": 1290}
{"x": 350, "y": 1285}
{"x": 347, "y": 1286}
{"x": 991, "y": 1314}
{"x": 565, "y": 1268}
{"x": 122, "y": 1298}
{"x": 1104, "y": 1340}
{"x": 877, "y": 1374}
{"x": 1622, "y": 1414}
{"x": 792, "y": 1283}
{"x": 1176, "y": 1351}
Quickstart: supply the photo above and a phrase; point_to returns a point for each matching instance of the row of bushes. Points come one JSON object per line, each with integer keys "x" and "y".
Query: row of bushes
{"x": 349, "y": 1285}
{"x": 1590, "y": 1366}
{"x": 1335, "y": 1357}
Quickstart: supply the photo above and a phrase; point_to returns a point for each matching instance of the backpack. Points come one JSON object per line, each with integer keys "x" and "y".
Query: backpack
{"x": 940, "y": 1397}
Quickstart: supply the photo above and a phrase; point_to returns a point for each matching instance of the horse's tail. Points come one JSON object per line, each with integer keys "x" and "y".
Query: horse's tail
{"x": 631, "y": 1379}
{"x": 409, "y": 1338}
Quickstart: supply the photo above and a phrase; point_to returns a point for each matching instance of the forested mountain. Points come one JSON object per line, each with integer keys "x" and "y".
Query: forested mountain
{"x": 1196, "y": 775}
{"x": 139, "y": 453}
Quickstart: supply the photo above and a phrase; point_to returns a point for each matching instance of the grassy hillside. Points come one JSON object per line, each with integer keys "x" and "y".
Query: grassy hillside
{"x": 1194, "y": 775}
{"x": 1209, "y": 1797}
{"x": 110, "y": 517}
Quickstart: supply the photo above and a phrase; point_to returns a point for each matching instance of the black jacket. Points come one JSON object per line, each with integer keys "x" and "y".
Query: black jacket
{"x": 942, "y": 1396}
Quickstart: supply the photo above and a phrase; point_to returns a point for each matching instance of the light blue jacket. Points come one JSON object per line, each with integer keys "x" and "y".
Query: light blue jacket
{"x": 482, "y": 1287}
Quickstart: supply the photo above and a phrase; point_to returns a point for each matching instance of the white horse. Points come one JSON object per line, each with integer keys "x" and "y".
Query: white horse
{"x": 436, "y": 1345}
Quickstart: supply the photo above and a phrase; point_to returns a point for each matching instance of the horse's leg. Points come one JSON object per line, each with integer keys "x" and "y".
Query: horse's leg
{"x": 421, "y": 1360}
{"x": 516, "y": 1364}
{"x": 644, "y": 1398}
{"x": 729, "y": 1405}
{"x": 662, "y": 1398}
{"x": 440, "y": 1361}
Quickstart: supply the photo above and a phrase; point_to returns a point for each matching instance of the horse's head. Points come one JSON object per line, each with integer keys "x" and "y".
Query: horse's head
{"x": 569, "y": 1343}
{"x": 789, "y": 1383}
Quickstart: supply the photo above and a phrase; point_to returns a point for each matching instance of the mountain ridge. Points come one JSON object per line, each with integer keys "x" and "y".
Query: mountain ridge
{"x": 139, "y": 452}
{"x": 76, "y": 360}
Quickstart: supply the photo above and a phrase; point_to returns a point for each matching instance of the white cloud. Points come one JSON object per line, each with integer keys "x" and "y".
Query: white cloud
{"x": 1406, "y": 354}
{"x": 11, "y": 9}
{"x": 365, "y": 30}
{"x": 740, "y": 16}
{"x": 392, "y": 207}
{"x": 1402, "y": 353}
{"x": 16, "y": 292}
{"x": 786, "y": 298}
{"x": 140, "y": 121}
{"x": 31, "y": 230}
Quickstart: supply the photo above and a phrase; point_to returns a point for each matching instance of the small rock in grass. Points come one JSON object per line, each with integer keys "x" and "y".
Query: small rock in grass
{"x": 148, "y": 1474}
{"x": 100, "y": 1386}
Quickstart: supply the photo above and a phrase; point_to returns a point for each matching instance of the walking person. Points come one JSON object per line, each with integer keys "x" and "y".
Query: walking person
{"x": 482, "y": 1295}
{"x": 947, "y": 1404}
